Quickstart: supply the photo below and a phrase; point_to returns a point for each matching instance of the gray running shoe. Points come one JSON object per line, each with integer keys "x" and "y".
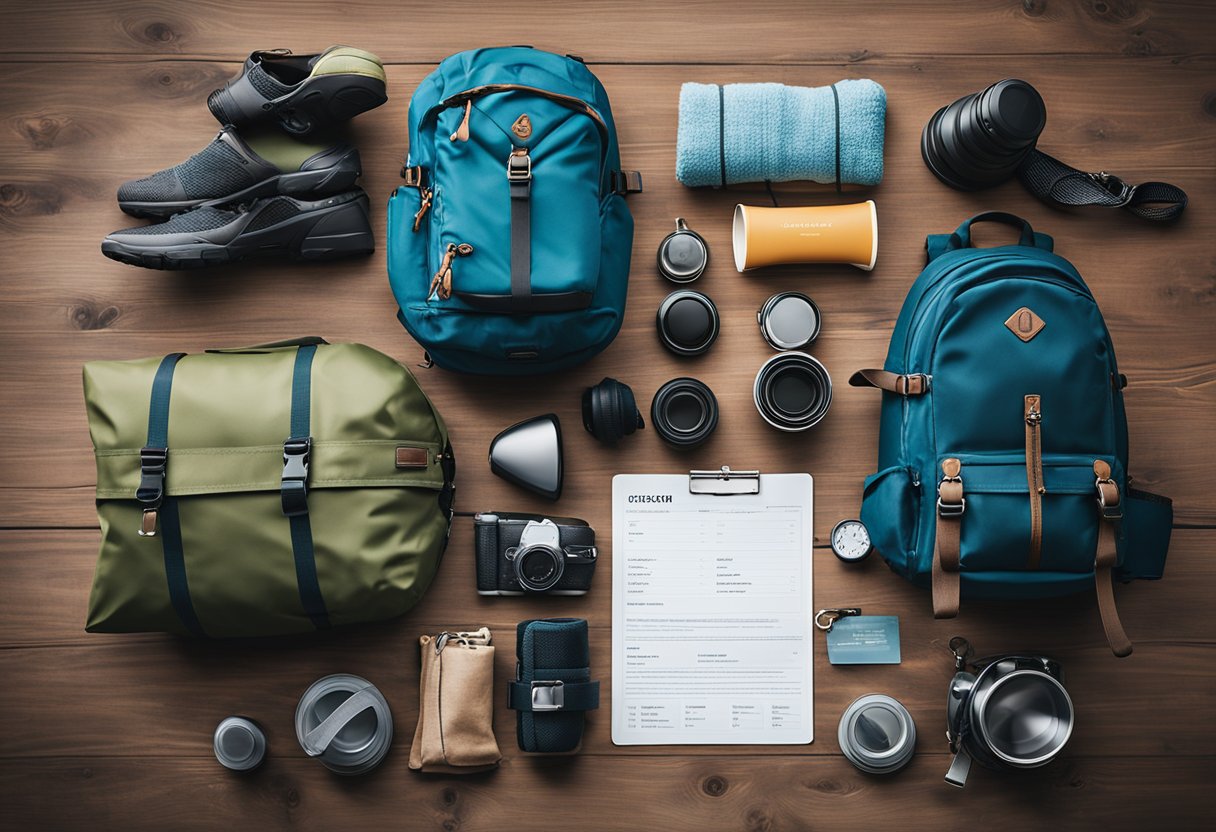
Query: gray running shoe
{"x": 230, "y": 170}
{"x": 322, "y": 229}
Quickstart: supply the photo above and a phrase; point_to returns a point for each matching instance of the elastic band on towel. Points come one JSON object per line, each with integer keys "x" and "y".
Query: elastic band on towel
{"x": 836, "y": 100}
{"x": 722, "y": 131}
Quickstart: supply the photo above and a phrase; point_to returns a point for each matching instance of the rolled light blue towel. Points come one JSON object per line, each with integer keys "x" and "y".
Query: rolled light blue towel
{"x": 779, "y": 133}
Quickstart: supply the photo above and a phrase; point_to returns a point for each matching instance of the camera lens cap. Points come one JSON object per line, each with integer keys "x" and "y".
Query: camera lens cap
{"x": 789, "y": 321}
{"x": 687, "y": 322}
{"x": 684, "y": 412}
{"x": 683, "y": 254}
{"x": 1013, "y": 110}
{"x": 610, "y": 411}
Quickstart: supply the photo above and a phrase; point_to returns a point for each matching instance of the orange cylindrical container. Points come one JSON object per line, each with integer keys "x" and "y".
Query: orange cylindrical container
{"x": 826, "y": 234}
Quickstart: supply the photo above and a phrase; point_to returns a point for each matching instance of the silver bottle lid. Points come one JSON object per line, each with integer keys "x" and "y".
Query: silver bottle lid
{"x": 789, "y": 321}
{"x": 877, "y": 734}
{"x": 239, "y": 743}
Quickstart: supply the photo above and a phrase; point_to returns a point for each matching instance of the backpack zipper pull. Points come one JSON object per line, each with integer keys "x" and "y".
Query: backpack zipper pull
{"x": 441, "y": 283}
{"x": 427, "y": 193}
{"x": 462, "y": 132}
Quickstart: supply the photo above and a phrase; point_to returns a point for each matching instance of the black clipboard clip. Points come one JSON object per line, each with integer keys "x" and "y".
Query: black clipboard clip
{"x": 724, "y": 482}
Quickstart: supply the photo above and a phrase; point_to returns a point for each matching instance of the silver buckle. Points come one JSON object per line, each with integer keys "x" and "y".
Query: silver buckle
{"x": 548, "y": 695}
{"x": 516, "y": 171}
{"x": 1109, "y": 512}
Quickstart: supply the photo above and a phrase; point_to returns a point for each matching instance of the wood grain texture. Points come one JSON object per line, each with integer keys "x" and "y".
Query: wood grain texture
{"x": 113, "y": 732}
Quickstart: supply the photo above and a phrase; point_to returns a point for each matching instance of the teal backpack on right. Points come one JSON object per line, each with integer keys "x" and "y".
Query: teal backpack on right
{"x": 1002, "y": 460}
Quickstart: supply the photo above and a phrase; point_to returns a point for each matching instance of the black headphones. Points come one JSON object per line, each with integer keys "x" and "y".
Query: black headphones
{"x": 610, "y": 411}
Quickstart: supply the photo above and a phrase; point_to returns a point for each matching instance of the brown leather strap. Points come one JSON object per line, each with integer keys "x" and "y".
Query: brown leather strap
{"x": 1111, "y": 509}
{"x": 1104, "y": 581}
{"x": 950, "y": 507}
{"x": 914, "y": 384}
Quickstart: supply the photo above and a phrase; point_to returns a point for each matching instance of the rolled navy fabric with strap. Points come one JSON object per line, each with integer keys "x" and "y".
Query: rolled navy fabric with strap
{"x": 776, "y": 133}
{"x": 553, "y": 688}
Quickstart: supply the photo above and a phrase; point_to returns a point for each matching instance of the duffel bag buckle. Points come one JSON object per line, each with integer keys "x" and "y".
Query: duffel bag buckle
{"x": 294, "y": 487}
{"x": 151, "y": 490}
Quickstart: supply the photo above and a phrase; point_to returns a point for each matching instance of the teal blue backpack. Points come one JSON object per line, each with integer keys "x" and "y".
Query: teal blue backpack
{"x": 1003, "y": 446}
{"x": 509, "y": 243}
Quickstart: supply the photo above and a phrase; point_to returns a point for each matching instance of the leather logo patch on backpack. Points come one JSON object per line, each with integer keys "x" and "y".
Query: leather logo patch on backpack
{"x": 522, "y": 126}
{"x": 1025, "y": 324}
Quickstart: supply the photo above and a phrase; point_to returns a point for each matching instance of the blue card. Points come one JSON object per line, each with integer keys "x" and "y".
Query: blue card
{"x": 864, "y": 639}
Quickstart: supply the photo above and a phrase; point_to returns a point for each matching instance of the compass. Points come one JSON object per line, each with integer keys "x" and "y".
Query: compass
{"x": 851, "y": 541}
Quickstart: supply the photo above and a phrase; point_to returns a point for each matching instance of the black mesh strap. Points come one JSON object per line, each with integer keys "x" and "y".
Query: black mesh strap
{"x": 1052, "y": 181}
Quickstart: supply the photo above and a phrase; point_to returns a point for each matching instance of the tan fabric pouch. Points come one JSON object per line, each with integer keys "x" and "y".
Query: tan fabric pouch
{"x": 455, "y": 731}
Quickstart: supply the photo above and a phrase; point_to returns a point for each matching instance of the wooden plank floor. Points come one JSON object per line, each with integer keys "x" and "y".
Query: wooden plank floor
{"x": 114, "y": 732}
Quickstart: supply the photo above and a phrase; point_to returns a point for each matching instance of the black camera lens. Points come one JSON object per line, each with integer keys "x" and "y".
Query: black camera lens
{"x": 792, "y": 391}
{"x": 981, "y": 139}
{"x": 687, "y": 322}
{"x": 538, "y": 568}
{"x": 683, "y": 254}
{"x": 684, "y": 412}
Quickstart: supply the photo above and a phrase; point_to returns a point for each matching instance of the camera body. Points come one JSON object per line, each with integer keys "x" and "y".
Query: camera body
{"x": 520, "y": 554}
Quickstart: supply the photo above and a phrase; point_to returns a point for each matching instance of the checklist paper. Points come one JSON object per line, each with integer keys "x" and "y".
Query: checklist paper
{"x": 711, "y": 612}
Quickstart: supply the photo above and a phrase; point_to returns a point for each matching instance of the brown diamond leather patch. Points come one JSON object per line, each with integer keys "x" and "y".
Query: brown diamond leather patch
{"x": 1025, "y": 324}
{"x": 522, "y": 126}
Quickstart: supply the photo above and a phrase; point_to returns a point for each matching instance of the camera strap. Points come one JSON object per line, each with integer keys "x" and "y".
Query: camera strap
{"x": 1052, "y": 181}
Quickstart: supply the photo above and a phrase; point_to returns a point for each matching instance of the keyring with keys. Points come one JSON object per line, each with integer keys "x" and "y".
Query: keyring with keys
{"x": 824, "y": 619}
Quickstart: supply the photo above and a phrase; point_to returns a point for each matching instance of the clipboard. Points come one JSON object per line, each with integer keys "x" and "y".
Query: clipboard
{"x": 711, "y": 608}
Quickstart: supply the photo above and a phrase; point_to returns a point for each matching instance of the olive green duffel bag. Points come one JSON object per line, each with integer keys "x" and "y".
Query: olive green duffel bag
{"x": 275, "y": 489}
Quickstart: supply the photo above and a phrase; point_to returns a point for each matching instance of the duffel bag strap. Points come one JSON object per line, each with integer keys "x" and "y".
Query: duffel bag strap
{"x": 1111, "y": 509}
{"x": 910, "y": 384}
{"x": 950, "y": 508}
{"x": 159, "y": 509}
{"x": 293, "y": 490}
{"x": 625, "y": 182}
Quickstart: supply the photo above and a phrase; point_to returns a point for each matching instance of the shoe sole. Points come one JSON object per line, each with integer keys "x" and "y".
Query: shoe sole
{"x": 325, "y": 234}
{"x": 306, "y": 184}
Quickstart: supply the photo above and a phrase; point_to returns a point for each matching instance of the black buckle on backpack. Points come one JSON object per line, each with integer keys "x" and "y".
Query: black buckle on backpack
{"x": 151, "y": 488}
{"x": 1115, "y": 186}
{"x": 294, "y": 488}
{"x": 625, "y": 181}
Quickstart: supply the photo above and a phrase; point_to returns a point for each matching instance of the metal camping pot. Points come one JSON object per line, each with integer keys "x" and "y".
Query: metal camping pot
{"x": 1012, "y": 712}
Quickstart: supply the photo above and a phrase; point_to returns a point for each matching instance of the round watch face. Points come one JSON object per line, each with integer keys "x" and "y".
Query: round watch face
{"x": 851, "y": 540}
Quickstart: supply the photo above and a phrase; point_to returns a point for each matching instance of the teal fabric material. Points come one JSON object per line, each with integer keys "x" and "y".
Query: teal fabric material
{"x": 779, "y": 133}
{"x": 952, "y": 327}
{"x": 582, "y": 232}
